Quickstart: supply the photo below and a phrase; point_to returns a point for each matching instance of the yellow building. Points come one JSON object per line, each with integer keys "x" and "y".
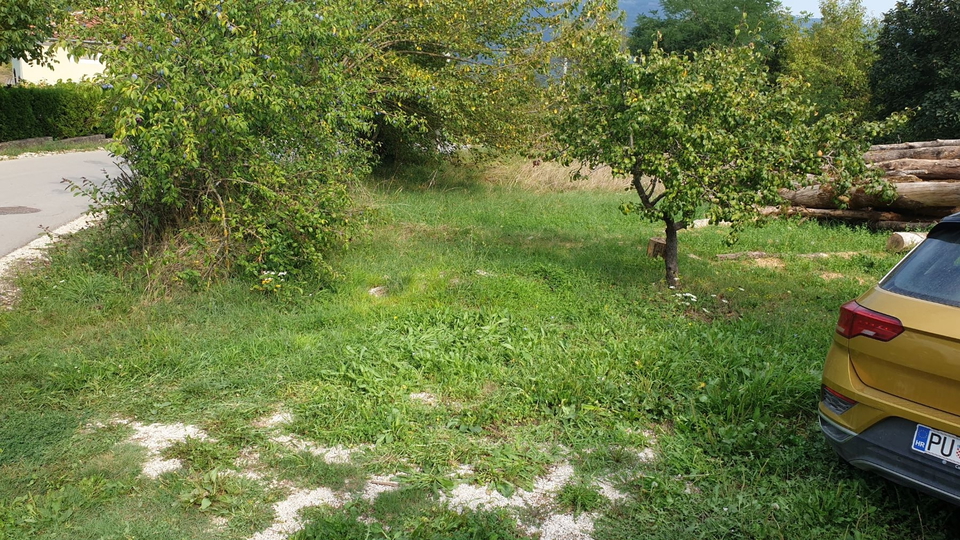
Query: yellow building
{"x": 61, "y": 68}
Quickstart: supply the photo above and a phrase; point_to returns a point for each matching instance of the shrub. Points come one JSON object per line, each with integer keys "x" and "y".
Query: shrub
{"x": 239, "y": 125}
{"x": 61, "y": 111}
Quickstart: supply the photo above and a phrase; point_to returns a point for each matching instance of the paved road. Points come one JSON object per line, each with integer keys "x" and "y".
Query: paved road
{"x": 35, "y": 183}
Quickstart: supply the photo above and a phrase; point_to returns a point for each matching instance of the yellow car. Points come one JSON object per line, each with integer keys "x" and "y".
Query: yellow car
{"x": 890, "y": 400}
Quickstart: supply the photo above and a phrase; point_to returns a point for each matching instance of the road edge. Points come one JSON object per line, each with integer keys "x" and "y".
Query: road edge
{"x": 33, "y": 252}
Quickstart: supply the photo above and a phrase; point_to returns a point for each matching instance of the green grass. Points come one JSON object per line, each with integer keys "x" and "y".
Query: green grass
{"x": 536, "y": 326}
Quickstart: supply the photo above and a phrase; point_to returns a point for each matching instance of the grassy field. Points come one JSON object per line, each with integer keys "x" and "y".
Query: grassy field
{"x": 496, "y": 361}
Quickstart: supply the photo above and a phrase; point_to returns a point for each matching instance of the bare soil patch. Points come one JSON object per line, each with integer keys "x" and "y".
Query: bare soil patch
{"x": 770, "y": 262}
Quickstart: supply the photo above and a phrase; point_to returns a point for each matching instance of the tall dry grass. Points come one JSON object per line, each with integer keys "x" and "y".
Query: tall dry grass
{"x": 550, "y": 177}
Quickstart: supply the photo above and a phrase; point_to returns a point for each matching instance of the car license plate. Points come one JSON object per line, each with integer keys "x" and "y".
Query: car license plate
{"x": 937, "y": 444}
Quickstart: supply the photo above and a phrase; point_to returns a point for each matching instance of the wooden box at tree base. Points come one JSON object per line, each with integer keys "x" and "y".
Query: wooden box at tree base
{"x": 656, "y": 247}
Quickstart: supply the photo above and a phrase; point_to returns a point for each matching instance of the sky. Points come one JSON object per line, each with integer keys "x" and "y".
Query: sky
{"x": 875, "y": 8}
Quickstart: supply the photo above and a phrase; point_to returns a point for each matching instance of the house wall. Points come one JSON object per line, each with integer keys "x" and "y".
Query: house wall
{"x": 63, "y": 68}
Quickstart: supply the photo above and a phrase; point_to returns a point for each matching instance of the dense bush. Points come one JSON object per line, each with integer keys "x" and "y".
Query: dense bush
{"x": 244, "y": 123}
{"x": 61, "y": 111}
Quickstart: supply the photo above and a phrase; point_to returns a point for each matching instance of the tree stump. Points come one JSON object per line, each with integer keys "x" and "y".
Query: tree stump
{"x": 656, "y": 247}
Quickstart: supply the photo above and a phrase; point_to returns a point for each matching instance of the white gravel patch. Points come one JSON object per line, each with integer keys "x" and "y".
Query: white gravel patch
{"x": 279, "y": 418}
{"x": 155, "y": 467}
{"x": 554, "y": 527}
{"x": 219, "y": 523}
{"x": 377, "y": 485}
{"x": 610, "y": 492}
{"x": 425, "y": 398}
{"x": 157, "y": 437}
{"x": 249, "y": 464}
{"x": 463, "y": 471}
{"x": 287, "y": 512}
{"x": 467, "y": 496}
{"x": 646, "y": 455}
{"x": 566, "y": 527}
{"x": 545, "y": 487}
{"x": 484, "y": 498}
{"x": 332, "y": 455}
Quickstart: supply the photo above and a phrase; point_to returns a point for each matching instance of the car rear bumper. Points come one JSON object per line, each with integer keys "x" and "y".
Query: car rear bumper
{"x": 885, "y": 448}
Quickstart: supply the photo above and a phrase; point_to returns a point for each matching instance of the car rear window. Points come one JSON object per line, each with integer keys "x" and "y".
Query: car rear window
{"x": 932, "y": 271}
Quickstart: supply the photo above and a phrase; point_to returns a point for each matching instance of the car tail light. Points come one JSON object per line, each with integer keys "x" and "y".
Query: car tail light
{"x": 856, "y": 320}
{"x": 835, "y": 401}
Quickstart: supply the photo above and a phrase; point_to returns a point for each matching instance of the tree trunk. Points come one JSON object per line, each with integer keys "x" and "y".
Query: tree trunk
{"x": 920, "y": 144}
{"x": 825, "y": 213}
{"x": 670, "y": 254}
{"x": 934, "y": 152}
{"x": 924, "y": 168}
{"x": 902, "y": 176}
{"x": 936, "y": 199}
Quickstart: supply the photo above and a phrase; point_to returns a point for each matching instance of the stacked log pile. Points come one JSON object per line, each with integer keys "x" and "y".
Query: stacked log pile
{"x": 925, "y": 174}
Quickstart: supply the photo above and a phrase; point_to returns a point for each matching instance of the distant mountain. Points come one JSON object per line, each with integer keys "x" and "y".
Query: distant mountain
{"x": 637, "y": 7}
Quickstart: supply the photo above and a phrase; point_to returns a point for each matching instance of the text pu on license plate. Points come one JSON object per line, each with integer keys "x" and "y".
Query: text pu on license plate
{"x": 937, "y": 444}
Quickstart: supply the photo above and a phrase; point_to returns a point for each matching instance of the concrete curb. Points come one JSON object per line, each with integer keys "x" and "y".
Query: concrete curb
{"x": 22, "y": 143}
{"x": 25, "y": 142}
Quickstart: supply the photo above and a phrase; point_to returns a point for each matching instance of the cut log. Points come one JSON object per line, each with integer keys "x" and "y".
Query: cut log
{"x": 811, "y": 196}
{"x": 865, "y": 215}
{"x": 830, "y": 213}
{"x": 918, "y": 144}
{"x": 935, "y": 152}
{"x": 656, "y": 247}
{"x": 926, "y": 169}
{"x": 936, "y": 199}
{"x": 902, "y": 241}
{"x": 905, "y": 176}
{"x": 923, "y": 194}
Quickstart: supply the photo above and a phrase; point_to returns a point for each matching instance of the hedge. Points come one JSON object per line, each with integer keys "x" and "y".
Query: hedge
{"x": 61, "y": 111}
